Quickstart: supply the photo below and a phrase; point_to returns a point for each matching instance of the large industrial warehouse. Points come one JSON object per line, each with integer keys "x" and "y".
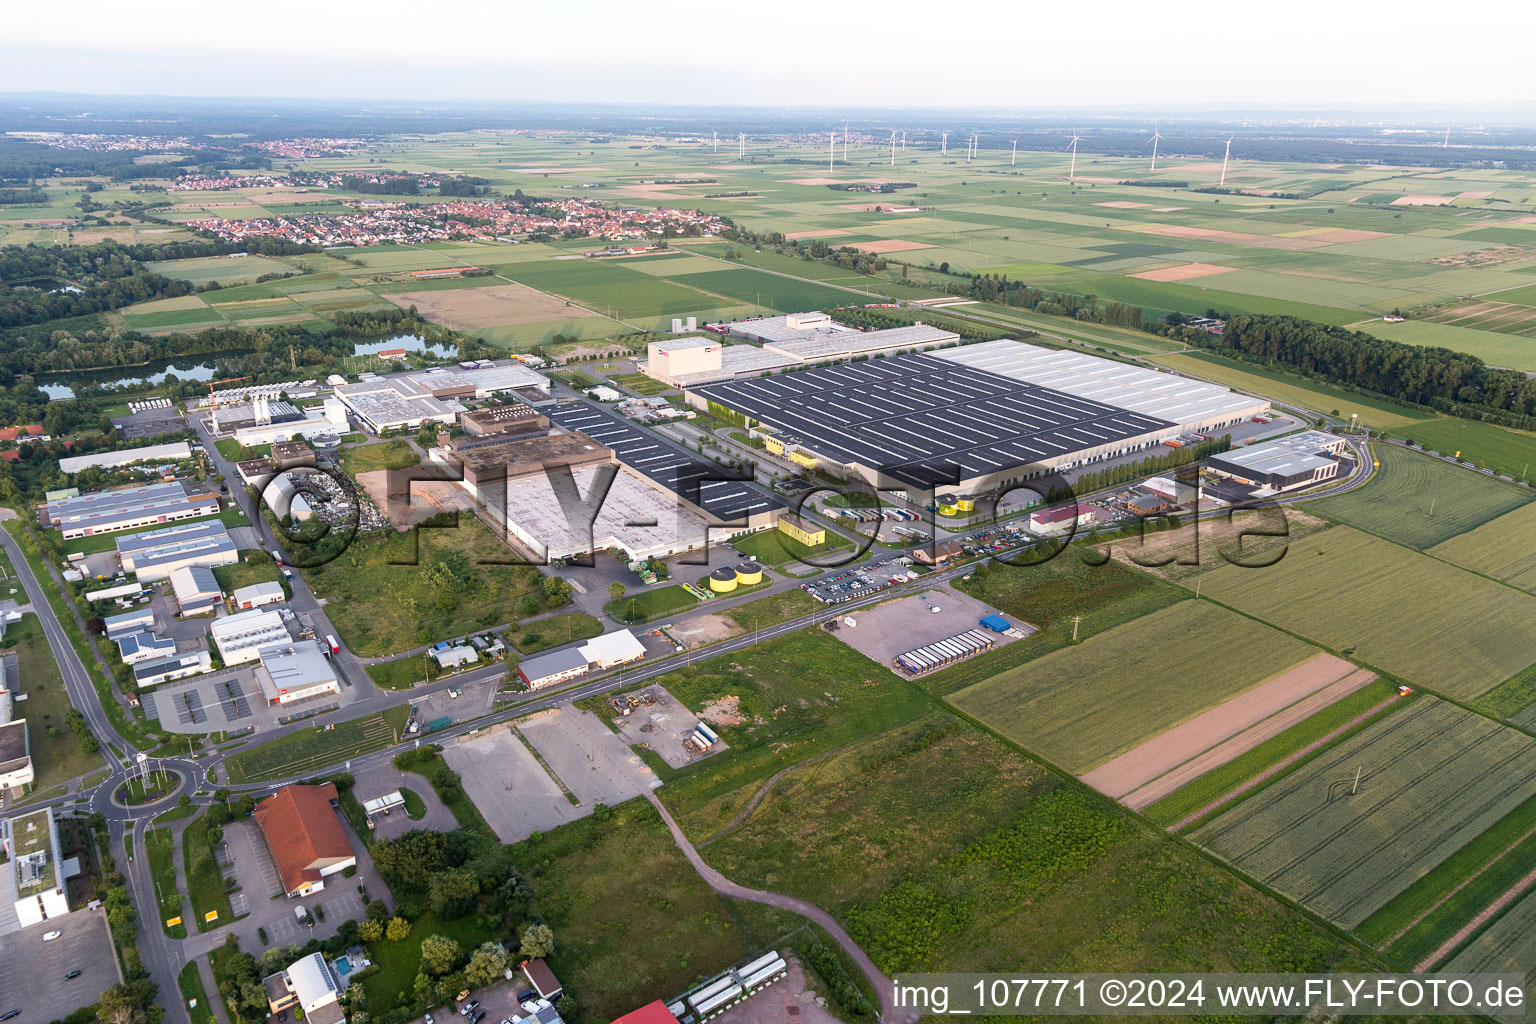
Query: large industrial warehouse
{"x": 977, "y": 416}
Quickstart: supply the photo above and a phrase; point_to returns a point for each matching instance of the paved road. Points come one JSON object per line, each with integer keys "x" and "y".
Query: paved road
{"x": 889, "y": 1013}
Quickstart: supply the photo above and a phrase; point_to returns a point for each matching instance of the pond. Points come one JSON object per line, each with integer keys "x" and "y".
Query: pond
{"x": 61, "y": 386}
{"x": 409, "y": 342}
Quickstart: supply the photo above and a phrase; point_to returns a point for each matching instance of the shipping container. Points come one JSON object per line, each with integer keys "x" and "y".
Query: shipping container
{"x": 708, "y": 733}
{"x": 716, "y": 1002}
{"x": 766, "y": 974}
{"x": 758, "y": 964}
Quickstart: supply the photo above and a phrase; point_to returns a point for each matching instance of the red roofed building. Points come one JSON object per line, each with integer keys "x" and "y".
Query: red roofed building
{"x": 654, "y": 1013}
{"x": 305, "y": 836}
{"x": 31, "y": 432}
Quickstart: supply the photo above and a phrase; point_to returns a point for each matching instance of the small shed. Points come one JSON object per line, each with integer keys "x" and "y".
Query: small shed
{"x": 542, "y": 978}
{"x": 996, "y": 623}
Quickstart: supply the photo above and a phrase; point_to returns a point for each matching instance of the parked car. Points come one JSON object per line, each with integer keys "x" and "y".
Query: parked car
{"x": 72, "y": 975}
{"x": 427, "y": 1018}
{"x": 51, "y": 936}
{"x": 470, "y": 1007}
{"x": 8, "y": 1014}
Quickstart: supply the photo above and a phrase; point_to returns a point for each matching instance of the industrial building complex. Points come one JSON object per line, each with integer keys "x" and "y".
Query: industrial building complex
{"x": 796, "y": 339}
{"x": 975, "y": 417}
{"x": 128, "y": 508}
{"x": 1286, "y": 463}
{"x": 407, "y": 400}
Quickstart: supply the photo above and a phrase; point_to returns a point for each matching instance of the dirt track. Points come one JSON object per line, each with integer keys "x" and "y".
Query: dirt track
{"x": 1197, "y": 736}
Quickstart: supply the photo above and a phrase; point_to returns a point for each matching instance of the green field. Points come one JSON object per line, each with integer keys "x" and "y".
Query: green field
{"x": 308, "y": 748}
{"x": 1420, "y": 501}
{"x": 1364, "y": 598}
{"x": 1510, "y": 452}
{"x": 1507, "y": 945}
{"x": 574, "y": 872}
{"x": 1504, "y": 548}
{"x": 1292, "y": 389}
{"x": 1084, "y": 704}
{"x": 639, "y": 383}
{"x": 255, "y": 566}
{"x": 205, "y": 879}
{"x": 223, "y": 269}
{"x": 370, "y": 458}
{"x": 160, "y": 846}
{"x": 56, "y": 752}
{"x": 1431, "y": 778}
{"x": 650, "y": 603}
{"x": 774, "y": 547}
{"x": 190, "y": 984}
{"x": 776, "y": 704}
{"x": 940, "y": 848}
{"x": 391, "y": 592}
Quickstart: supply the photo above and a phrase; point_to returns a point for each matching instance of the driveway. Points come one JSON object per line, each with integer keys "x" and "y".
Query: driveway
{"x": 381, "y": 781}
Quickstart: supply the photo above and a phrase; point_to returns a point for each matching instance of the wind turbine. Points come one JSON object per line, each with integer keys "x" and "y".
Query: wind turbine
{"x": 1447, "y": 143}
{"x": 1072, "y": 171}
{"x": 717, "y": 143}
{"x": 845, "y": 141}
{"x": 903, "y": 142}
{"x": 1015, "y": 158}
{"x": 831, "y": 150}
{"x": 1155, "y": 136}
{"x": 1225, "y": 158}
{"x": 944, "y": 143}
{"x": 741, "y": 146}
{"x": 893, "y": 147}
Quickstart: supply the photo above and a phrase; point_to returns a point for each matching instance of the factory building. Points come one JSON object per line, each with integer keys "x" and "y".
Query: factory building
{"x": 330, "y": 423}
{"x": 240, "y": 637}
{"x": 137, "y": 648}
{"x": 261, "y": 411}
{"x": 796, "y": 340}
{"x": 516, "y": 418}
{"x": 258, "y": 595}
{"x": 295, "y": 671}
{"x": 976, "y": 418}
{"x": 171, "y": 667}
{"x": 486, "y": 462}
{"x": 155, "y": 554}
{"x": 292, "y": 455}
{"x": 173, "y": 452}
{"x": 197, "y": 591}
{"x": 407, "y": 400}
{"x": 1064, "y": 519}
{"x": 552, "y": 667}
{"x": 128, "y": 508}
{"x": 1286, "y": 463}
{"x": 37, "y": 867}
{"x": 806, "y": 532}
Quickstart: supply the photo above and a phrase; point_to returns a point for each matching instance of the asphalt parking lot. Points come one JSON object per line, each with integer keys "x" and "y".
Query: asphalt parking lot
{"x": 512, "y": 790}
{"x": 585, "y": 754}
{"x": 32, "y": 971}
{"x": 904, "y": 623}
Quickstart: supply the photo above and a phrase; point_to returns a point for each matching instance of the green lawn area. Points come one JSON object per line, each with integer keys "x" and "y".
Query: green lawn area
{"x": 767, "y": 611}
{"x": 56, "y": 752}
{"x": 542, "y": 634}
{"x": 395, "y": 453}
{"x": 234, "y": 451}
{"x": 415, "y": 806}
{"x": 390, "y": 592}
{"x": 308, "y": 748}
{"x": 190, "y": 982}
{"x": 255, "y": 566}
{"x": 776, "y": 704}
{"x": 398, "y": 960}
{"x": 639, "y": 383}
{"x": 940, "y": 848}
{"x": 402, "y": 673}
{"x": 160, "y": 845}
{"x": 205, "y": 881}
{"x": 1087, "y": 703}
{"x": 574, "y": 872}
{"x": 642, "y": 605}
{"x": 176, "y": 814}
{"x": 773, "y": 547}
{"x": 1420, "y": 501}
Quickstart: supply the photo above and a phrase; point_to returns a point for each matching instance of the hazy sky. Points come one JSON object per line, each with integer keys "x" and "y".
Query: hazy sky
{"x": 1006, "y": 53}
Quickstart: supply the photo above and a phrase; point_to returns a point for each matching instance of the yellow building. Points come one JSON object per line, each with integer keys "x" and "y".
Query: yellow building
{"x": 802, "y": 530}
{"x": 775, "y": 445}
{"x": 801, "y": 457}
{"x": 723, "y": 580}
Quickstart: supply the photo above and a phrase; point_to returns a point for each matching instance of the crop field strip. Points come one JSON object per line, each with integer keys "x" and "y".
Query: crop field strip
{"x": 1251, "y": 737}
{"x": 1085, "y": 704}
{"x": 1429, "y": 778}
{"x": 1503, "y": 549}
{"x": 1509, "y": 944}
{"x": 1345, "y": 590}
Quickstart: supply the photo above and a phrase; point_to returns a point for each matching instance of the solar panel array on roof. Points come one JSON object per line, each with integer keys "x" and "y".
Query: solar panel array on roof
{"x": 920, "y": 418}
{"x": 667, "y": 464}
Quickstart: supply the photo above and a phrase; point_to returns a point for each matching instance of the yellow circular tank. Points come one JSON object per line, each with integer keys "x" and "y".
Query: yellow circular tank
{"x": 948, "y": 505}
{"x": 965, "y": 503}
{"x": 749, "y": 574}
{"x": 723, "y": 580}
